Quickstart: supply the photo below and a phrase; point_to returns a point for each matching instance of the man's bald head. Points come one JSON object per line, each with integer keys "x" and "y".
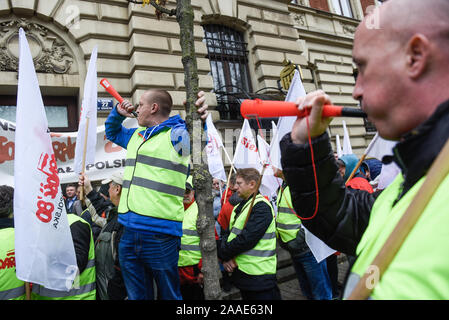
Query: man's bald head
{"x": 401, "y": 19}
{"x": 403, "y": 59}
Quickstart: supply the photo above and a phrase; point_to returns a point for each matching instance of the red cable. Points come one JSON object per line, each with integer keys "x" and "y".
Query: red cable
{"x": 314, "y": 175}
{"x": 314, "y": 172}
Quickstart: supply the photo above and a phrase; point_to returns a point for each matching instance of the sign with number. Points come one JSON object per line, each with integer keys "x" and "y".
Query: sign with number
{"x": 105, "y": 104}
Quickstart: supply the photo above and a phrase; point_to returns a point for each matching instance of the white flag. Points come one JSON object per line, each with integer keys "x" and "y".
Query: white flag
{"x": 246, "y": 153}
{"x": 214, "y": 160}
{"x": 379, "y": 147}
{"x": 285, "y": 124}
{"x": 88, "y": 111}
{"x": 319, "y": 249}
{"x": 337, "y": 142}
{"x": 347, "y": 149}
{"x": 270, "y": 183}
{"x": 44, "y": 249}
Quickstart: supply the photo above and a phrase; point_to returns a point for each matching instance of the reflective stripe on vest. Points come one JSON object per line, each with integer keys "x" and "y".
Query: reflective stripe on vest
{"x": 14, "y": 293}
{"x": 287, "y": 223}
{"x": 11, "y": 288}
{"x": 420, "y": 268}
{"x": 154, "y": 177}
{"x": 190, "y": 253}
{"x": 84, "y": 286}
{"x": 262, "y": 258}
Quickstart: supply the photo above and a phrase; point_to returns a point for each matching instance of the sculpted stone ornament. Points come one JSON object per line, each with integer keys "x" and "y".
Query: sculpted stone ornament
{"x": 50, "y": 53}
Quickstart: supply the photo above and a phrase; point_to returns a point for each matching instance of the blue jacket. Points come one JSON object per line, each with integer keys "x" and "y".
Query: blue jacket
{"x": 120, "y": 135}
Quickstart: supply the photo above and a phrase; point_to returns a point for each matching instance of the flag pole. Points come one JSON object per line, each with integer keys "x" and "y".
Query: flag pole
{"x": 368, "y": 149}
{"x": 27, "y": 291}
{"x": 227, "y": 183}
{"x": 84, "y": 155}
{"x": 229, "y": 159}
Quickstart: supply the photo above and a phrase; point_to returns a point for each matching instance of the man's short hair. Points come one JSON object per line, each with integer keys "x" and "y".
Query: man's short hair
{"x": 6, "y": 201}
{"x": 163, "y": 99}
{"x": 71, "y": 185}
{"x": 248, "y": 174}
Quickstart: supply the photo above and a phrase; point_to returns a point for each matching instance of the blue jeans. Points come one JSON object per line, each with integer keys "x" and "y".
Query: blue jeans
{"x": 312, "y": 276}
{"x": 147, "y": 257}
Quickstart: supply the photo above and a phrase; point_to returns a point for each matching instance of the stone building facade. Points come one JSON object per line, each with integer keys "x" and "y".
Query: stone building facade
{"x": 137, "y": 51}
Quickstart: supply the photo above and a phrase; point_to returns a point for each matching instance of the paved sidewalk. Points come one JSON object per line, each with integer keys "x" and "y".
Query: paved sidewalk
{"x": 290, "y": 289}
{"x": 287, "y": 280}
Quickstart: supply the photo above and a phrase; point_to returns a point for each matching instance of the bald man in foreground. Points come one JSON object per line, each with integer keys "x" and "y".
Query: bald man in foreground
{"x": 402, "y": 85}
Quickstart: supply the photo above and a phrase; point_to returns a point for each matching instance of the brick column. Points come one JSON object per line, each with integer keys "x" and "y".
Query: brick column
{"x": 320, "y": 4}
{"x": 366, "y": 4}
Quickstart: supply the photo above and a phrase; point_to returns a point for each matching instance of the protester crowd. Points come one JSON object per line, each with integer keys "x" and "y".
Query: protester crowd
{"x": 136, "y": 236}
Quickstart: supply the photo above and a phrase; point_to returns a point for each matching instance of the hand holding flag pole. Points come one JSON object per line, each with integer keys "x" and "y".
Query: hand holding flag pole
{"x": 84, "y": 155}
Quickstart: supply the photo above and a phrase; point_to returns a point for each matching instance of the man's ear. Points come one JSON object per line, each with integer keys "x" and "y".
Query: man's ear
{"x": 253, "y": 184}
{"x": 154, "y": 107}
{"x": 418, "y": 55}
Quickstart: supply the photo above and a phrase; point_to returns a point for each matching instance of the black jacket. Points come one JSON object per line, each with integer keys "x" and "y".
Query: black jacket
{"x": 81, "y": 241}
{"x": 116, "y": 289}
{"x": 259, "y": 220}
{"x": 6, "y": 223}
{"x": 343, "y": 213}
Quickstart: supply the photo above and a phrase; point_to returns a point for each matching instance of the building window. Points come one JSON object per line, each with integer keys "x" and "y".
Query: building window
{"x": 229, "y": 67}
{"x": 61, "y": 112}
{"x": 343, "y": 7}
{"x": 369, "y": 126}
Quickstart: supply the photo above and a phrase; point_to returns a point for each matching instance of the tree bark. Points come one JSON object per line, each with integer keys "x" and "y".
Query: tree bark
{"x": 202, "y": 180}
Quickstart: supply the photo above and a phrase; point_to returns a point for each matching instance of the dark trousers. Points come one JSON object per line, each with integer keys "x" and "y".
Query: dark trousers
{"x": 332, "y": 269}
{"x": 192, "y": 291}
{"x": 270, "y": 294}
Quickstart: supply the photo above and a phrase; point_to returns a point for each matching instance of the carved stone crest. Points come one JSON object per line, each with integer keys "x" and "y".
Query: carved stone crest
{"x": 348, "y": 29}
{"x": 50, "y": 53}
{"x": 300, "y": 19}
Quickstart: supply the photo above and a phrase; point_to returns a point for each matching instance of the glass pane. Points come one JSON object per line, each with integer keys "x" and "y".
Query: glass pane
{"x": 346, "y": 8}
{"x": 218, "y": 75}
{"x": 336, "y": 5}
{"x": 57, "y": 116}
{"x": 8, "y": 113}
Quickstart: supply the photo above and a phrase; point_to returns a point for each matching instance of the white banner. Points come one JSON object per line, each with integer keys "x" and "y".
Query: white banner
{"x": 246, "y": 153}
{"x": 270, "y": 183}
{"x": 214, "y": 160}
{"x": 88, "y": 118}
{"x": 109, "y": 156}
{"x": 285, "y": 124}
{"x": 44, "y": 250}
{"x": 347, "y": 149}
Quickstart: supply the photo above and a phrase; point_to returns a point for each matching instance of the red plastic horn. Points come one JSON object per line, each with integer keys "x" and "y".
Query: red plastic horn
{"x": 109, "y": 88}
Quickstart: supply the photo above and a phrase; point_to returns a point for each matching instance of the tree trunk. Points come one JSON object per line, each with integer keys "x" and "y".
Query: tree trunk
{"x": 202, "y": 180}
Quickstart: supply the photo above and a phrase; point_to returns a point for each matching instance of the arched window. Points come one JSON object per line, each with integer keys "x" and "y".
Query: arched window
{"x": 229, "y": 67}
